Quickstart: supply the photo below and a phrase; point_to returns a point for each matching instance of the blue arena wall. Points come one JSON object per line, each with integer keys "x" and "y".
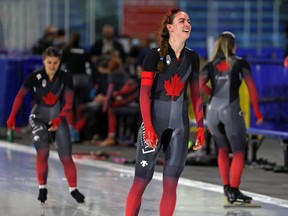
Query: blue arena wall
{"x": 270, "y": 76}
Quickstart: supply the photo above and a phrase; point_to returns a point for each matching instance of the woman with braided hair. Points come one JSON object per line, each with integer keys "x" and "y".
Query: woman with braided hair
{"x": 167, "y": 71}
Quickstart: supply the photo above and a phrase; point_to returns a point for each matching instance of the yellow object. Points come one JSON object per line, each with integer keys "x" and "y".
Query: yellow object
{"x": 245, "y": 103}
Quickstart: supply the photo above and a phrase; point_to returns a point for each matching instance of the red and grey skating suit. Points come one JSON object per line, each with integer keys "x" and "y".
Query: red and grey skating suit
{"x": 53, "y": 102}
{"x": 164, "y": 107}
{"x": 168, "y": 112}
{"x": 223, "y": 113}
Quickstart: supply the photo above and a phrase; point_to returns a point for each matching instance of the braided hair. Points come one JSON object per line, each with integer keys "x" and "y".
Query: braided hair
{"x": 164, "y": 42}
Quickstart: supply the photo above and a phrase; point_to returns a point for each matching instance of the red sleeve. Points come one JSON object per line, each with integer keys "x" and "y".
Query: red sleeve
{"x": 196, "y": 102}
{"x": 18, "y": 101}
{"x": 205, "y": 88}
{"x": 253, "y": 95}
{"x": 67, "y": 108}
{"x": 286, "y": 62}
{"x": 145, "y": 104}
{"x": 195, "y": 91}
{"x": 128, "y": 87}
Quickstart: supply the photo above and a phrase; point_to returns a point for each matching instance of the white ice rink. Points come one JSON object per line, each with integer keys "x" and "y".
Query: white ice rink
{"x": 105, "y": 186}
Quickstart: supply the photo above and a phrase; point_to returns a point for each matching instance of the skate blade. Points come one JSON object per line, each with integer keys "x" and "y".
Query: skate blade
{"x": 83, "y": 207}
{"x": 42, "y": 204}
{"x": 236, "y": 204}
{"x": 42, "y": 213}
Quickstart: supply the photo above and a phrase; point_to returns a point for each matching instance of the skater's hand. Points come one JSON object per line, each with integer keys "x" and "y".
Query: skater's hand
{"x": 54, "y": 124}
{"x": 200, "y": 139}
{"x": 11, "y": 123}
{"x": 286, "y": 62}
{"x": 151, "y": 138}
{"x": 259, "y": 121}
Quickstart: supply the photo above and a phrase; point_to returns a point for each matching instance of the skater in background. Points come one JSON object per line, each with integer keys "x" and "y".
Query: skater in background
{"x": 53, "y": 90}
{"x": 224, "y": 116}
{"x": 167, "y": 71}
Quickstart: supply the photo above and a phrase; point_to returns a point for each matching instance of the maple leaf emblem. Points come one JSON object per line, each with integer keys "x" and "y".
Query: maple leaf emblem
{"x": 174, "y": 87}
{"x": 222, "y": 66}
{"x": 50, "y": 98}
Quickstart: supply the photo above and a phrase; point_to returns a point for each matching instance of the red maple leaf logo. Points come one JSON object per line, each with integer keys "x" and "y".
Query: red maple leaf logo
{"x": 222, "y": 66}
{"x": 50, "y": 98}
{"x": 174, "y": 87}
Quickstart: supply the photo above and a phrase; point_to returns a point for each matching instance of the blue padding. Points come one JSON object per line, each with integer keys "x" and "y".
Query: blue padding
{"x": 271, "y": 79}
{"x": 255, "y": 131}
{"x": 270, "y": 133}
{"x": 13, "y": 71}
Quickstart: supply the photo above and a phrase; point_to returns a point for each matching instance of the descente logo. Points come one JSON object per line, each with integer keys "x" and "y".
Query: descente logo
{"x": 225, "y": 77}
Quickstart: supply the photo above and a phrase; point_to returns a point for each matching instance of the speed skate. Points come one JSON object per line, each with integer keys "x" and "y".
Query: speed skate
{"x": 236, "y": 204}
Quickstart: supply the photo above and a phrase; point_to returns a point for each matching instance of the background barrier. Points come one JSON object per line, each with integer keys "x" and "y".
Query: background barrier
{"x": 271, "y": 79}
{"x": 270, "y": 76}
{"x": 13, "y": 70}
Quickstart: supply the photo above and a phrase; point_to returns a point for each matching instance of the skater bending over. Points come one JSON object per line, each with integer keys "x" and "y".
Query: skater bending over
{"x": 167, "y": 71}
{"x": 224, "y": 116}
{"x": 53, "y": 90}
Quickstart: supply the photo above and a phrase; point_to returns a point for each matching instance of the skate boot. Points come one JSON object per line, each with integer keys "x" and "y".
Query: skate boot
{"x": 226, "y": 189}
{"x": 234, "y": 195}
{"x": 78, "y": 196}
{"x": 42, "y": 197}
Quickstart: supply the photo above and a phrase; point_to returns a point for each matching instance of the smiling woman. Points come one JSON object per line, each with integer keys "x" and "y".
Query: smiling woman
{"x": 167, "y": 71}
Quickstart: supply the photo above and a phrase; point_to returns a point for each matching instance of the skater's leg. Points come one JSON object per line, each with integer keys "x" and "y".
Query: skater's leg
{"x": 64, "y": 147}
{"x": 224, "y": 164}
{"x": 144, "y": 169}
{"x": 42, "y": 166}
{"x": 134, "y": 197}
{"x": 175, "y": 153}
{"x": 40, "y": 138}
{"x": 238, "y": 146}
{"x": 236, "y": 134}
{"x": 223, "y": 161}
{"x": 169, "y": 195}
{"x": 42, "y": 173}
{"x": 217, "y": 129}
{"x": 70, "y": 171}
{"x": 237, "y": 167}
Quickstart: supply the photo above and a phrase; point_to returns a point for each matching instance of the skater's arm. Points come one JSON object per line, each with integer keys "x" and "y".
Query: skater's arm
{"x": 254, "y": 98}
{"x": 151, "y": 137}
{"x": 204, "y": 78}
{"x": 197, "y": 103}
{"x": 147, "y": 80}
{"x": 129, "y": 87}
{"x": 65, "y": 111}
{"x": 16, "y": 106}
{"x": 68, "y": 102}
{"x": 246, "y": 73}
